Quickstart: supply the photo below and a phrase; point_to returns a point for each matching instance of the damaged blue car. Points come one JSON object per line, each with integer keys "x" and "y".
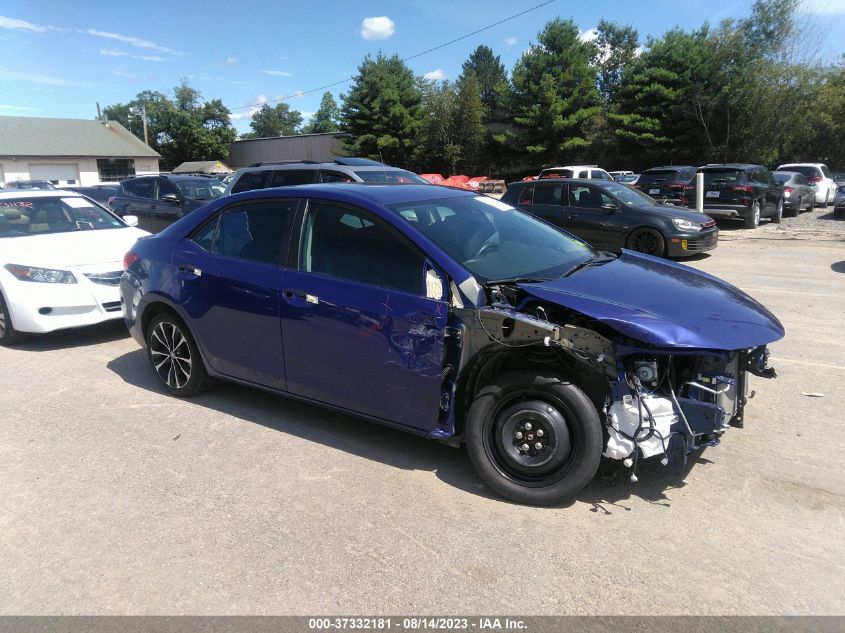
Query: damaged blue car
{"x": 453, "y": 316}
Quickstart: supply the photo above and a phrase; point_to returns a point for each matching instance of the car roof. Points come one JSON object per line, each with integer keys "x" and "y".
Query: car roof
{"x": 7, "y": 194}
{"x": 730, "y": 166}
{"x": 675, "y": 167}
{"x": 804, "y": 165}
{"x": 573, "y": 167}
{"x": 383, "y": 194}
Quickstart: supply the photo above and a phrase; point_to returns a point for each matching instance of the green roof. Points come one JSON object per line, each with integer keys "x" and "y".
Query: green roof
{"x": 34, "y": 136}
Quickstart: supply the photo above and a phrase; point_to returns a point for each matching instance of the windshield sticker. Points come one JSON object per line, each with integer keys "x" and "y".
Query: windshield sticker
{"x": 77, "y": 203}
{"x": 495, "y": 203}
{"x": 16, "y": 203}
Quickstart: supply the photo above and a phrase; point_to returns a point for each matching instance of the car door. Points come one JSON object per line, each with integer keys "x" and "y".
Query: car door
{"x": 543, "y": 199}
{"x": 589, "y": 221}
{"x": 164, "y": 212}
{"x": 359, "y": 331}
{"x": 138, "y": 200}
{"x": 230, "y": 272}
{"x": 772, "y": 192}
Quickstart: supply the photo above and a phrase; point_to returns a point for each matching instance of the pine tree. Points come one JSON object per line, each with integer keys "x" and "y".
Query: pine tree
{"x": 325, "y": 119}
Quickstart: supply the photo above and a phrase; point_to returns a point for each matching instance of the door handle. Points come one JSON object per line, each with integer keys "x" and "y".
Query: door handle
{"x": 571, "y": 216}
{"x": 190, "y": 271}
{"x": 300, "y": 296}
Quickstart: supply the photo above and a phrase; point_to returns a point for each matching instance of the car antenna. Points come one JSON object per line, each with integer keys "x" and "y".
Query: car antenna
{"x": 383, "y": 166}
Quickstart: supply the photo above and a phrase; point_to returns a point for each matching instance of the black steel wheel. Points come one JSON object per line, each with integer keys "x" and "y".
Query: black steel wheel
{"x": 174, "y": 356}
{"x": 648, "y": 241}
{"x": 534, "y": 438}
{"x": 8, "y": 334}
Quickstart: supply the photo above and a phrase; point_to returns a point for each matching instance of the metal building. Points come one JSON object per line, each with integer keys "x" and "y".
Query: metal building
{"x": 316, "y": 147}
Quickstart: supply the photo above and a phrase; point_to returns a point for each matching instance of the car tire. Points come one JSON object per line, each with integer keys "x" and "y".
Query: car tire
{"x": 812, "y": 206}
{"x": 566, "y": 431}
{"x": 826, "y": 199}
{"x": 8, "y": 334}
{"x": 175, "y": 358}
{"x": 648, "y": 241}
{"x": 752, "y": 220}
{"x": 778, "y": 216}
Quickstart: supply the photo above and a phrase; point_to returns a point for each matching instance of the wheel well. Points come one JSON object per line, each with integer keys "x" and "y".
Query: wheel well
{"x": 642, "y": 226}
{"x": 487, "y": 366}
{"x": 151, "y": 311}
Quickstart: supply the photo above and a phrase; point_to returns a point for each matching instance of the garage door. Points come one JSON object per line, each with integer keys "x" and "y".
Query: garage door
{"x": 57, "y": 173}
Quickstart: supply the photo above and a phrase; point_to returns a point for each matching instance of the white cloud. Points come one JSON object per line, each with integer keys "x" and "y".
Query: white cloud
{"x": 277, "y": 73}
{"x": 45, "y": 80}
{"x": 827, "y": 7}
{"x": 114, "y": 52}
{"x": 589, "y": 35}
{"x": 435, "y": 75}
{"x": 510, "y": 42}
{"x": 229, "y": 61}
{"x": 5, "y": 107}
{"x": 21, "y": 25}
{"x": 377, "y": 28}
{"x": 133, "y": 41}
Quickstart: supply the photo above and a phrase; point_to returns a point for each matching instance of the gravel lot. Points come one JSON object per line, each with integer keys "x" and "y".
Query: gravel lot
{"x": 116, "y": 499}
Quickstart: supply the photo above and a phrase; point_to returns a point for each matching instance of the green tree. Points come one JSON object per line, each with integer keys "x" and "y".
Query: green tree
{"x": 555, "y": 95}
{"x": 276, "y": 120}
{"x": 326, "y": 117}
{"x": 437, "y": 149}
{"x": 468, "y": 121}
{"x": 382, "y": 111}
{"x": 492, "y": 80}
{"x": 615, "y": 48}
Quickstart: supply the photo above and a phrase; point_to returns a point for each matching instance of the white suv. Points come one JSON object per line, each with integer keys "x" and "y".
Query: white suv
{"x": 819, "y": 177}
{"x": 576, "y": 171}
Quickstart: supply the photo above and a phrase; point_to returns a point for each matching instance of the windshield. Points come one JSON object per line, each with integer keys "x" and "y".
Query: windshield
{"x": 492, "y": 240}
{"x": 660, "y": 175}
{"x": 39, "y": 216}
{"x": 781, "y": 177}
{"x": 201, "y": 189}
{"x": 628, "y": 195}
{"x": 390, "y": 177}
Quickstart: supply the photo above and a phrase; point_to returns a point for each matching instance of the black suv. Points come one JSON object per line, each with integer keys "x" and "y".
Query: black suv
{"x": 158, "y": 201}
{"x": 303, "y": 172}
{"x": 741, "y": 191}
{"x": 668, "y": 183}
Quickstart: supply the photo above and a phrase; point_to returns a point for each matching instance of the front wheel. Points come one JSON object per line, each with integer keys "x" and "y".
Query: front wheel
{"x": 648, "y": 241}
{"x": 534, "y": 438}
{"x": 8, "y": 334}
{"x": 752, "y": 220}
{"x": 175, "y": 358}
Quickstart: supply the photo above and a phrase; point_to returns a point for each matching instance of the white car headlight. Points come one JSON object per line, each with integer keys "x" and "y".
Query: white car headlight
{"x": 41, "y": 275}
{"x": 686, "y": 225}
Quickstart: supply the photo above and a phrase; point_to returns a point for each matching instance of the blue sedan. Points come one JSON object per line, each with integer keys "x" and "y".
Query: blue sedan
{"x": 454, "y": 316}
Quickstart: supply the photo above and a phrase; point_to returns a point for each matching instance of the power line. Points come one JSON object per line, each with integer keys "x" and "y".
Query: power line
{"x": 405, "y": 59}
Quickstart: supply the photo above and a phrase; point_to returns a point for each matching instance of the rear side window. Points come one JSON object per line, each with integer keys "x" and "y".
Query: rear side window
{"x": 335, "y": 176}
{"x": 256, "y": 231}
{"x": 825, "y": 171}
{"x": 807, "y": 170}
{"x": 140, "y": 188}
{"x": 287, "y": 177}
{"x": 349, "y": 244}
{"x": 548, "y": 194}
{"x": 526, "y": 195}
{"x": 250, "y": 180}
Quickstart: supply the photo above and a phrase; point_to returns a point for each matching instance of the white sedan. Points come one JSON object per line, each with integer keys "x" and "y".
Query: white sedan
{"x": 61, "y": 259}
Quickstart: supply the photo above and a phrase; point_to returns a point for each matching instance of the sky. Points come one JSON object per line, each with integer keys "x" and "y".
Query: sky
{"x": 61, "y": 58}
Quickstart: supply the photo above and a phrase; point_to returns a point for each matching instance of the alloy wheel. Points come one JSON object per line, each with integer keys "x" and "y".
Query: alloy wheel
{"x": 171, "y": 354}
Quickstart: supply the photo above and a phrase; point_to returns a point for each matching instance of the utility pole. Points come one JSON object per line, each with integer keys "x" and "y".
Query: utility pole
{"x": 144, "y": 116}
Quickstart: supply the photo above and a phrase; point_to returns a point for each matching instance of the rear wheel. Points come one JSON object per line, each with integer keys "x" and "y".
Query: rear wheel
{"x": 8, "y": 334}
{"x": 812, "y": 206}
{"x": 826, "y": 199}
{"x": 776, "y": 218}
{"x": 752, "y": 220}
{"x": 534, "y": 438}
{"x": 175, "y": 358}
{"x": 648, "y": 241}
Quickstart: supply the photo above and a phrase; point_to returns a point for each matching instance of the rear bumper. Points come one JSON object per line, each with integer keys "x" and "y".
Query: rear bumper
{"x": 726, "y": 210}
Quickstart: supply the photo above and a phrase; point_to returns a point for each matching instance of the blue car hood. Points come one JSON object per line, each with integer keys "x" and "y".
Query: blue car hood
{"x": 663, "y": 303}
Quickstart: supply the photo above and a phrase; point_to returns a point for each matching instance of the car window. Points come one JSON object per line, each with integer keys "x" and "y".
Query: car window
{"x": 600, "y": 175}
{"x": 165, "y": 187}
{"x": 250, "y": 180}
{"x": 583, "y": 174}
{"x": 197, "y": 189}
{"x": 255, "y": 231}
{"x": 548, "y": 193}
{"x": 390, "y": 177}
{"x": 800, "y": 179}
{"x": 807, "y": 170}
{"x": 526, "y": 195}
{"x": 335, "y": 176}
{"x": 588, "y": 197}
{"x": 350, "y": 244}
{"x": 724, "y": 176}
{"x": 37, "y": 216}
{"x": 825, "y": 171}
{"x": 139, "y": 188}
{"x": 288, "y": 177}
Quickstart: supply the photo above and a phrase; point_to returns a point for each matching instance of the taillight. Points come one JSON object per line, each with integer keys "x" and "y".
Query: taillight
{"x": 745, "y": 188}
{"x": 815, "y": 179}
{"x": 129, "y": 259}
{"x": 788, "y": 190}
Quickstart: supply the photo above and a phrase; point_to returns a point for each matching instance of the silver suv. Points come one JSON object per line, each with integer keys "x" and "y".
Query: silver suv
{"x": 303, "y": 172}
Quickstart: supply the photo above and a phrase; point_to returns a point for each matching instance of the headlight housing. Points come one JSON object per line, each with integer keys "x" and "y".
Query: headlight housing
{"x": 41, "y": 275}
{"x": 686, "y": 225}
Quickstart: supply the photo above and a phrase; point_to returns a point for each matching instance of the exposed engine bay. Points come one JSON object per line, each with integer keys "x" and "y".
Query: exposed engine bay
{"x": 658, "y": 401}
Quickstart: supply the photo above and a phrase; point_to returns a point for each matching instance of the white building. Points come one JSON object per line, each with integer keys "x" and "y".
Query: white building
{"x": 71, "y": 151}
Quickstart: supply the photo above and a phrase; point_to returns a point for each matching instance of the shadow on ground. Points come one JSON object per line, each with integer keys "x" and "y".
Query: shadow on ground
{"x": 388, "y": 446}
{"x": 76, "y": 337}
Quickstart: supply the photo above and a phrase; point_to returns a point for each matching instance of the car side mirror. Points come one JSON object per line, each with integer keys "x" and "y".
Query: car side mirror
{"x": 171, "y": 197}
{"x": 610, "y": 206}
{"x": 131, "y": 220}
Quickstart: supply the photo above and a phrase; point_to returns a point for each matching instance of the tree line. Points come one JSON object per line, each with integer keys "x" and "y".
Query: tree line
{"x": 744, "y": 90}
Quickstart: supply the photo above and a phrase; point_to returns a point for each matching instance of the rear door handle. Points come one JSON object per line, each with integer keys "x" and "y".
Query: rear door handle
{"x": 300, "y": 296}
{"x": 190, "y": 271}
